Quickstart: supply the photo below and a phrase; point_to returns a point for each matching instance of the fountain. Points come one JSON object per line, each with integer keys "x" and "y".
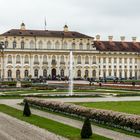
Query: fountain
{"x": 71, "y": 75}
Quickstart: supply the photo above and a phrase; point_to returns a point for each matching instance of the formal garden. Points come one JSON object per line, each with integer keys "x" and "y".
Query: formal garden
{"x": 90, "y": 106}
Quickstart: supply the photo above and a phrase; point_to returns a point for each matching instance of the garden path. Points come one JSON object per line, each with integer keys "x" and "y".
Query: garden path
{"x": 15, "y": 129}
{"x": 75, "y": 123}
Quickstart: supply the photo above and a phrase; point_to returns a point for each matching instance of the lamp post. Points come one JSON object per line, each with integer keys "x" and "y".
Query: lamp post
{"x": 2, "y": 54}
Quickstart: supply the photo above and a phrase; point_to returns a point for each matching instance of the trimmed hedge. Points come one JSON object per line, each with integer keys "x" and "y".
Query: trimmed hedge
{"x": 124, "y": 121}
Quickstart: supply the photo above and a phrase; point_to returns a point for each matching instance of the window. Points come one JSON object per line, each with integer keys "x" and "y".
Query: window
{"x": 44, "y": 73}
{"x": 22, "y": 44}
{"x": 6, "y": 44}
{"x": 18, "y": 59}
{"x": 81, "y": 46}
{"x": 45, "y": 59}
{"x": 9, "y": 74}
{"x": 73, "y": 45}
{"x": 79, "y": 73}
{"x": 36, "y": 59}
{"x": 130, "y": 60}
{"x": 62, "y": 73}
{"x": 26, "y": 60}
{"x": 115, "y": 60}
{"x": 18, "y": 74}
{"x": 94, "y": 73}
{"x": 79, "y": 60}
{"x": 86, "y": 73}
{"x": 32, "y": 44}
{"x": 36, "y": 73}
{"x": 125, "y": 60}
{"x": 14, "y": 44}
{"x": 57, "y": 44}
{"x": 62, "y": 59}
{"x": 49, "y": 44}
{"x": 120, "y": 60}
{"x": 86, "y": 60}
{"x": 109, "y": 60}
{"x": 26, "y": 73}
{"x": 9, "y": 59}
{"x": 104, "y": 60}
{"x": 88, "y": 46}
{"x": 64, "y": 45}
{"x": 40, "y": 45}
{"x": 94, "y": 60}
{"x": 53, "y": 60}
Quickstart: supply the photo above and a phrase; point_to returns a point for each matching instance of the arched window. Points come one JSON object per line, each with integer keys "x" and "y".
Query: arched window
{"x": 86, "y": 73}
{"x": 94, "y": 73}
{"x": 94, "y": 60}
{"x": 22, "y": 44}
{"x": 62, "y": 59}
{"x": 86, "y": 60}
{"x": 79, "y": 60}
{"x": 18, "y": 74}
{"x": 36, "y": 73}
{"x": 32, "y": 44}
{"x": 26, "y": 73}
{"x": 40, "y": 45}
{"x": 57, "y": 44}
{"x": 26, "y": 60}
{"x": 36, "y": 59}
{"x": 18, "y": 59}
{"x": 79, "y": 73}
{"x": 49, "y": 44}
{"x": 81, "y": 46}
{"x": 62, "y": 73}
{"x": 53, "y": 60}
{"x": 73, "y": 45}
{"x": 88, "y": 46}
{"x": 9, "y": 74}
{"x": 45, "y": 59}
{"x": 9, "y": 59}
{"x": 64, "y": 46}
{"x": 44, "y": 73}
{"x": 6, "y": 44}
{"x": 14, "y": 44}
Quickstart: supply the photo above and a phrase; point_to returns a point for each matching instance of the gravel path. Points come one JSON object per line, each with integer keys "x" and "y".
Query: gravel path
{"x": 14, "y": 129}
{"x": 75, "y": 123}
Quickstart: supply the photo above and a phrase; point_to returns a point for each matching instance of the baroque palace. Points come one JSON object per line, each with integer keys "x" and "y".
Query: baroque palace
{"x": 46, "y": 53}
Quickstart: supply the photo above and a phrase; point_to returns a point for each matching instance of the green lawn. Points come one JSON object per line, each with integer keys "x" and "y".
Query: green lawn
{"x": 50, "y": 125}
{"x": 132, "y": 107}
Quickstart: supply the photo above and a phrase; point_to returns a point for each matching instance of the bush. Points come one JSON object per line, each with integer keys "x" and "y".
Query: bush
{"x": 86, "y": 131}
{"x": 112, "y": 118}
{"x": 26, "y": 111}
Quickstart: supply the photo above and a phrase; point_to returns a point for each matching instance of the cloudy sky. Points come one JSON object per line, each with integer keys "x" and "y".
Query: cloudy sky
{"x": 92, "y": 17}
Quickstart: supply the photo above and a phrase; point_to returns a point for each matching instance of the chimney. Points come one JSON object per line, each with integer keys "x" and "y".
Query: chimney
{"x": 134, "y": 39}
{"x": 110, "y": 38}
{"x": 122, "y": 38}
{"x": 97, "y": 37}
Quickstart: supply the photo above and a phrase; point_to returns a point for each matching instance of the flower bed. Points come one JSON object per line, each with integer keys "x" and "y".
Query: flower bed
{"x": 112, "y": 118}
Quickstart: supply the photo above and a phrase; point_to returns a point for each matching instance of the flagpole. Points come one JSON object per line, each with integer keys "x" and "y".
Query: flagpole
{"x": 45, "y": 24}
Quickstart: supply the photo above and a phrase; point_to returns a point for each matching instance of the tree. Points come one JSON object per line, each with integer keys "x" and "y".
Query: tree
{"x": 86, "y": 131}
{"x": 26, "y": 111}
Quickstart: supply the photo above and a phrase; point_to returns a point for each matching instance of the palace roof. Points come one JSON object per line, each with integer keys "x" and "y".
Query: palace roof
{"x": 45, "y": 33}
{"x": 117, "y": 46}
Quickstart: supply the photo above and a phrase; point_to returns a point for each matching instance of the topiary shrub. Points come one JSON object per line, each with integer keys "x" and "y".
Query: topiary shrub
{"x": 86, "y": 131}
{"x": 26, "y": 111}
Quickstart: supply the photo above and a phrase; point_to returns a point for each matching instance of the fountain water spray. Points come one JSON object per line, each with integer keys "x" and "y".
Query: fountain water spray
{"x": 71, "y": 75}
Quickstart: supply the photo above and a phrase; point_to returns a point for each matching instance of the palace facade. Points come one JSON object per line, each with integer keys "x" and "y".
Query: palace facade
{"x": 46, "y": 53}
